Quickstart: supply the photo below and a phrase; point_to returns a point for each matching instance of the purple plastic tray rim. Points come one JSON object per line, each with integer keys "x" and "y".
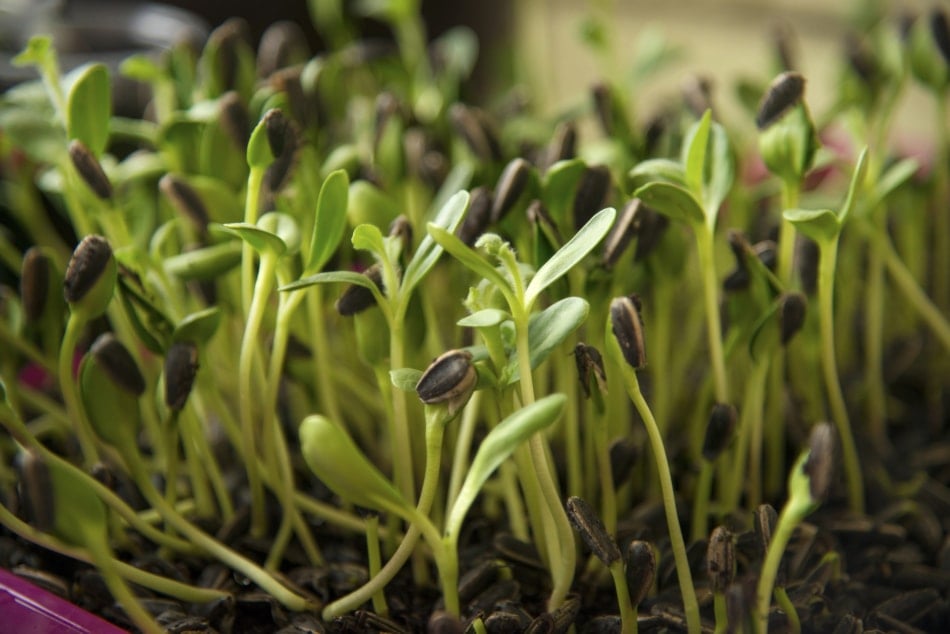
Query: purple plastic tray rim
{"x": 26, "y": 608}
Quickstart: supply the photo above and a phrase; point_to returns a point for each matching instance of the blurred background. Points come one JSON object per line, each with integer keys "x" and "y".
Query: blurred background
{"x": 554, "y": 47}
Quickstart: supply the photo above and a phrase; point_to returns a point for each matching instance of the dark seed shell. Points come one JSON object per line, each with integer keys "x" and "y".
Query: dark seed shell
{"x": 90, "y": 169}
{"x": 441, "y": 622}
{"x": 792, "y": 314}
{"x": 234, "y": 118}
{"x": 940, "y": 28}
{"x": 88, "y": 262}
{"x": 181, "y": 367}
{"x": 478, "y": 217}
{"x": 356, "y": 298}
{"x": 36, "y": 490}
{"x": 35, "y": 274}
{"x": 591, "y": 195}
{"x": 447, "y": 377}
{"x": 624, "y": 454}
{"x": 623, "y": 231}
{"x": 785, "y": 92}
{"x": 720, "y": 559}
{"x": 640, "y": 560}
{"x": 627, "y": 328}
{"x": 511, "y": 184}
{"x": 185, "y": 200}
{"x": 592, "y": 530}
{"x": 282, "y": 44}
{"x": 475, "y": 129}
{"x": 590, "y": 365}
{"x": 719, "y": 430}
{"x": 118, "y": 363}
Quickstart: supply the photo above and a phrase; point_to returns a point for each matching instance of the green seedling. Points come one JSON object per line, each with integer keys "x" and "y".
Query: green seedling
{"x": 627, "y": 344}
{"x": 807, "y": 487}
{"x": 824, "y": 226}
{"x": 334, "y": 458}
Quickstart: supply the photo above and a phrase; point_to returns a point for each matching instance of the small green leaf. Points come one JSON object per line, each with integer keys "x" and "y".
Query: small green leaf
{"x": 260, "y": 240}
{"x": 429, "y": 251}
{"x": 198, "y": 327}
{"x": 558, "y": 186}
{"x": 334, "y": 458}
{"x": 330, "y": 220}
{"x": 895, "y": 176}
{"x": 38, "y": 51}
{"x": 89, "y": 107}
{"x": 484, "y": 318}
{"x": 500, "y": 443}
{"x": 672, "y": 201}
{"x": 207, "y": 263}
{"x": 821, "y": 225}
{"x": 405, "y": 379}
{"x": 472, "y": 260}
{"x": 582, "y": 243}
{"x": 140, "y": 68}
{"x": 857, "y": 181}
{"x": 367, "y": 204}
{"x": 659, "y": 169}
{"x": 720, "y": 173}
{"x": 336, "y": 277}
{"x": 694, "y": 154}
{"x": 765, "y": 332}
{"x": 284, "y": 227}
{"x": 258, "y": 147}
{"x": 549, "y": 329}
{"x": 369, "y": 238}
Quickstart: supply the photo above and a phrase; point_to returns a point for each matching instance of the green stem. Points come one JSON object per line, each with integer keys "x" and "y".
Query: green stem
{"x": 402, "y": 438}
{"x": 722, "y": 615}
{"x": 787, "y": 234}
{"x": 213, "y": 547}
{"x": 790, "y": 517}
{"x": 628, "y": 615}
{"x": 255, "y": 181}
{"x": 68, "y": 387}
{"x": 794, "y": 623}
{"x": 434, "y": 434}
{"x": 701, "y": 501}
{"x": 102, "y": 555}
{"x": 375, "y": 562}
{"x": 707, "y": 262}
{"x": 839, "y": 411}
{"x": 683, "y": 573}
{"x": 250, "y": 436}
{"x": 321, "y": 355}
{"x": 562, "y": 569}
{"x": 608, "y": 496}
{"x": 908, "y": 286}
{"x": 874, "y": 349}
{"x": 196, "y": 445}
{"x": 941, "y": 228}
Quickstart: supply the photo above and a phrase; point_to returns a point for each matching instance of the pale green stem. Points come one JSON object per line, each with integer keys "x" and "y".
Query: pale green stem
{"x": 786, "y": 240}
{"x": 22, "y": 435}
{"x": 435, "y": 430}
{"x": 279, "y": 454}
{"x": 683, "y": 573}
{"x": 909, "y": 287}
{"x": 250, "y": 436}
{"x": 69, "y": 389}
{"x": 794, "y": 623}
{"x": 255, "y": 180}
{"x": 874, "y": 349}
{"x": 463, "y": 445}
{"x": 213, "y": 547}
{"x": 202, "y": 453}
{"x": 402, "y": 438}
{"x": 608, "y": 496}
{"x": 158, "y": 583}
{"x": 98, "y": 547}
{"x": 790, "y": 517}
{"x": 321, "y": 355}
{"x": 707, "y": 262}
{"x": 839, "y": 411}
{"x": 941, "y": 227}
{"x": 756, "y": 401}
{"x": 375, "y": 562}
{"x": 701, "y": 501}
{"x": 562, "y": 569}
{"x": 628, "y": 615}
{"x": 722, "y": 616}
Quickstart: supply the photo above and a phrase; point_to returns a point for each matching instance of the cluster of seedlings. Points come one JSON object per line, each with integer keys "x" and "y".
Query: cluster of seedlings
{"x": 315, "y": 345}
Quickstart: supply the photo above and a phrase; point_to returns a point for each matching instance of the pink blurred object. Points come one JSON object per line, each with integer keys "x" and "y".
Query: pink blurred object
{"x": 27, "y": 609}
